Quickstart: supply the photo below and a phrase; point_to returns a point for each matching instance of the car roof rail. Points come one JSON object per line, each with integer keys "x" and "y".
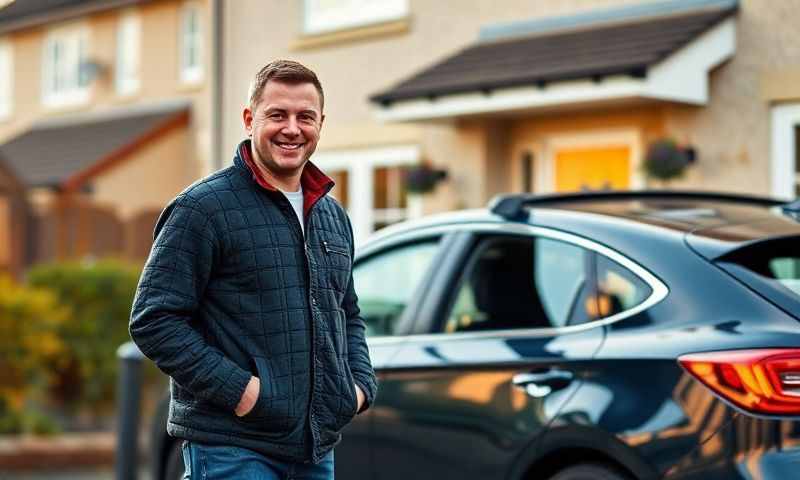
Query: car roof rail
{"x": 512, "y": 206}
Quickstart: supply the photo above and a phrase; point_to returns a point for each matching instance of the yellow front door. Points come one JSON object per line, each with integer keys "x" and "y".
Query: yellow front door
{"x": 592, "y": 169}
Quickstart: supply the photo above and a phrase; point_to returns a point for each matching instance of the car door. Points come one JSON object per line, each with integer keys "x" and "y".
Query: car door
{"x": 497, "y": 351}
{"x": 389, "y": 277}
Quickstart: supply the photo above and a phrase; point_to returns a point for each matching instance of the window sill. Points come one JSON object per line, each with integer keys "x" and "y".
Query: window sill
{"x": 308, "y": 42}
{"x": 190, "y": 86}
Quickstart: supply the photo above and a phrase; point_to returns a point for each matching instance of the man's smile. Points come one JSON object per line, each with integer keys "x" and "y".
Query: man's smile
{"x": 288, "y": 145}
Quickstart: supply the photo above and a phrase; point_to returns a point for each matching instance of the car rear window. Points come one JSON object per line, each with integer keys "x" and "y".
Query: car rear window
{"x": 786, "y": 270}
{"x": 771, "y": 268}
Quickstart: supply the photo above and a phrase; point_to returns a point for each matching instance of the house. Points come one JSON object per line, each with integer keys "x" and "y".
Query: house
{"x": 525, "y": 96}
{"x": 105, "y": 115}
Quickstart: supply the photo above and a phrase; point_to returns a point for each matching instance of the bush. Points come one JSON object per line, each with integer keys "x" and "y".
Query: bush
{"x": 31, "y": 349}
{"x": 99, "y": 296}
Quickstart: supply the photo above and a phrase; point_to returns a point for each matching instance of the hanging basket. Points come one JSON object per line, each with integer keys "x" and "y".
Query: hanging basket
{"x": 665, "y": 160}
{"x": 423, "y": 178}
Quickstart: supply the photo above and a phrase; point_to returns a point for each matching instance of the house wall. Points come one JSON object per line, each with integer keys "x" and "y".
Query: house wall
{"x": 159, "y": 72}
{"x": 148, "y": 179}
{"x": 732, "y": 133}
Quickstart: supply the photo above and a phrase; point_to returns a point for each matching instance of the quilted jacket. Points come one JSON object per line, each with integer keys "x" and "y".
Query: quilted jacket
{"x": 233, "y": 289}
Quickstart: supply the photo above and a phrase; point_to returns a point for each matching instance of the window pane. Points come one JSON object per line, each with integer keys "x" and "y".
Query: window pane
{"x": 79, "y": 71}
{"x": 190, "y": 41}
{"x": 389, "y": 200}
{"x": 6, "y": 79}
{"x": 340, "y": 190}
{"x": 385, "y": 282}
{"x": 127, "y": 69}
{"x": 522, "y": 282}
{"x": 560, "y": 274}
{"x": 327, "y": 15}
{"x": 618, "y": 288}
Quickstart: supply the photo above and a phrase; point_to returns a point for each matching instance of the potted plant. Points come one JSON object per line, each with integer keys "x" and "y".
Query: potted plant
{"x": 419, "y": 180}
{"x": 665, "y": 160}
{"x": 423, "y": 178}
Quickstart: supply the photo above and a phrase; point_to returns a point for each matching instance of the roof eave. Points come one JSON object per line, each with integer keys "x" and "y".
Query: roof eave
{"x": 61, "y": 14}
{"x": 681, "y": 77}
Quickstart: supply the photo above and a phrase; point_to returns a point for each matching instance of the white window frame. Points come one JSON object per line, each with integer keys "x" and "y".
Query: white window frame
{"x": 323, "y": 16}
{"x": 187, "y": 40}
{"x": 128, "y": 62}
{"x": 360, "y": 166}
{"x": 785, "y": 118}
{"x": 6, "y": 79}
{"x": 75, "y": 38}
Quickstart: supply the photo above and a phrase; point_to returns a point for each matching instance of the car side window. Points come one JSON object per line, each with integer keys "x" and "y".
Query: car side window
{"x": 523, "y": 282}
{"x": 385, "y": 282}
{"x": 618, "y": 289}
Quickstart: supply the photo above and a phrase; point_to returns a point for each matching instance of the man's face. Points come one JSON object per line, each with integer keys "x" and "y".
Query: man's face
{"x": 284, "y": 126}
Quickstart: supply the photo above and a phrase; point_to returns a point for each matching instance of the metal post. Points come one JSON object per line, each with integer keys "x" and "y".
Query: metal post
{"x": 128, "y": 398}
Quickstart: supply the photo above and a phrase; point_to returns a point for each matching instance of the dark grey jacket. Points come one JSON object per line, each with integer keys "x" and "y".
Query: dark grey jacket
{"x": 232, "y": 289}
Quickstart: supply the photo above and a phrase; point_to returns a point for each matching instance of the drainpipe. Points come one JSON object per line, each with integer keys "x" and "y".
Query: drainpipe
{"x": 217, "y": 14}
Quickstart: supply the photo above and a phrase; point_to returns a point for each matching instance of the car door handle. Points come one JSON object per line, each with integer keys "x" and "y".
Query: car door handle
{"x": 541, "y": 384}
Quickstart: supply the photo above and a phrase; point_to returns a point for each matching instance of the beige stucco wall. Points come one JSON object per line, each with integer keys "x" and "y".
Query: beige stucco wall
{"x": 148, "y": 179}
{"x": 732, "y": 132}
{"x": 159, "y": 74}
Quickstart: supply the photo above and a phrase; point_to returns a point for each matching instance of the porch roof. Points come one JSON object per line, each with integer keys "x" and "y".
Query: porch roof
{"x": 21, "y": 14}
{"x": 599, "y": 51}
{"x": 64, "y": 152}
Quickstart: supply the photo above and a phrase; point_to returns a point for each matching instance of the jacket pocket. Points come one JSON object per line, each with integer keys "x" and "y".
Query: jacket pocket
{"x": 351, "y": 386}
{"x": 262, "y": 408}
{"x": 331, "y": 249}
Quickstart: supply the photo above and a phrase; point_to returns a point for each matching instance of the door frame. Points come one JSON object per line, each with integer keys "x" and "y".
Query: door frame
{"x": 360, "y": 165}
{"x": 783, "y": 177}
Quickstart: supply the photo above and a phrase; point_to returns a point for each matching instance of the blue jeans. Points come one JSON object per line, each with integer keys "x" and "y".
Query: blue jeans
{"x": 202, "y": 462}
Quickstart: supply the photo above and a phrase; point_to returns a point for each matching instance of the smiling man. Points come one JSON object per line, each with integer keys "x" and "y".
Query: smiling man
{"x": 247, "y": 300}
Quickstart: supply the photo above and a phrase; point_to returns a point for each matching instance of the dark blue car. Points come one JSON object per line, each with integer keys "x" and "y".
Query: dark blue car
{"x": 594, "y": 336}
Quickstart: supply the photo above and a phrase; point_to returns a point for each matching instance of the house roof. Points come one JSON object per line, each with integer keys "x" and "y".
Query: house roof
{"x": 65, "y": 152}
{"x": 592, "y": 51}
{"x": 21, "y": 14}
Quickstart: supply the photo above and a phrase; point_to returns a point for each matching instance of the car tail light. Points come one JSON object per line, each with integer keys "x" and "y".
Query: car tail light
{"x": 764, "y": 381}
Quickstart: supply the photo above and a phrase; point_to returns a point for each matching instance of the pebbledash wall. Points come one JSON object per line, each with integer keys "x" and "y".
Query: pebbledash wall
{"x": 745, "y": 133}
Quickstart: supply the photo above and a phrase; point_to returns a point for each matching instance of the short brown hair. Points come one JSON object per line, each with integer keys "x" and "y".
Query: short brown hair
{"x": 285, "y": 71}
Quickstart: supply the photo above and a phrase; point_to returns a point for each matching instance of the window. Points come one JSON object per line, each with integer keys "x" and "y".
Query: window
{"x": 523, "y": 282}
{"x": 386, "y": 282}
{"x": 6, "y": 80}
{"x": 191, "y": 43}
{"x": 389, "y": 197}
{"x": 322, "y": 16}
{"x": 340, "y": 191}
{"x": 128, "y": 48}
{"x": 65, "y": 78}
{"x": 618, "y": 289}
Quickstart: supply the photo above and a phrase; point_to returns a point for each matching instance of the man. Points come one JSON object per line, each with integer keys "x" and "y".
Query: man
{"x": 247, "y": 300}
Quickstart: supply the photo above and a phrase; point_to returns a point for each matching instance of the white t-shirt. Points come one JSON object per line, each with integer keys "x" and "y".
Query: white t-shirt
{"x": 296, "y": 199}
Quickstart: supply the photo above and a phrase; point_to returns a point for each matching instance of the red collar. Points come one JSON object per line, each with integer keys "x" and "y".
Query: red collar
{"x": 315, "y": 183}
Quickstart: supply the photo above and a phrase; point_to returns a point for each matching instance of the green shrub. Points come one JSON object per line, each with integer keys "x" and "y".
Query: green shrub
{"x": 99, "y": 297}
{"x": 30, "y": 319}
